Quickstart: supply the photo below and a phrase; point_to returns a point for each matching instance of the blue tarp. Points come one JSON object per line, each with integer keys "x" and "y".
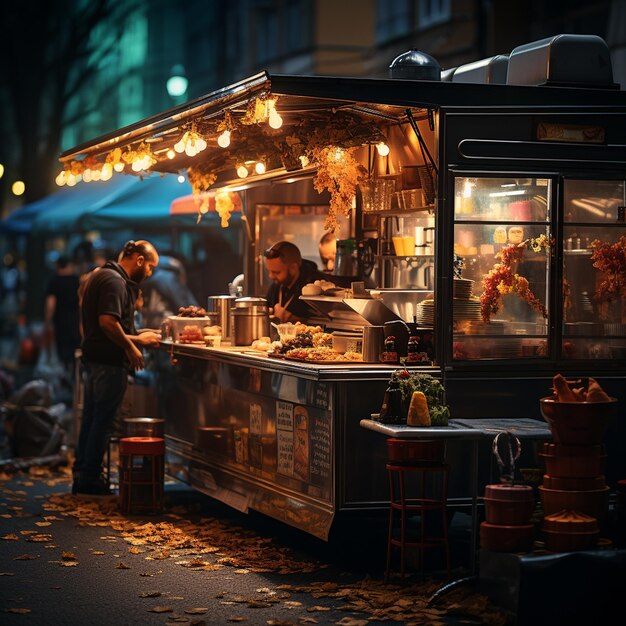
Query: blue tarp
{"x": 123, "y": 200}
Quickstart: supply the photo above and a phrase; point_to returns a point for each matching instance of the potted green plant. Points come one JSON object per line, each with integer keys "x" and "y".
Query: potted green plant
{"x": 432, "y": 389}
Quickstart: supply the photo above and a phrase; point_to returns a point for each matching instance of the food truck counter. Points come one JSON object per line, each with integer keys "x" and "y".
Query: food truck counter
{"x": 276, "y": 436}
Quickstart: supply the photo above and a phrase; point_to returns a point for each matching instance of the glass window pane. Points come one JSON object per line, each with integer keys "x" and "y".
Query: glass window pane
{"x": 593, "y": 200}
{"x": 502, "y": 199}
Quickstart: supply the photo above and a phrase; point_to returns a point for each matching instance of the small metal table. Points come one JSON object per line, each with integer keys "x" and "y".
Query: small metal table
{"x": 473, "y": 430}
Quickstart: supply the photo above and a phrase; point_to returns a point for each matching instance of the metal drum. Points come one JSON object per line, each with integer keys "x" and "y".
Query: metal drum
{"x": 250, "y": 320}
{"x": 222, "y": 305}
{"x": 144, "y": 427}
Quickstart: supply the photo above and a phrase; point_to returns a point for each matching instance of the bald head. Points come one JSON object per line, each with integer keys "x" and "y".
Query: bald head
{"x": 138, "y": 258}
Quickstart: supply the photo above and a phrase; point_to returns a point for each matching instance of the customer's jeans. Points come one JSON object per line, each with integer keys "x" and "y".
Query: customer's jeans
{"x": 104, "y": 390}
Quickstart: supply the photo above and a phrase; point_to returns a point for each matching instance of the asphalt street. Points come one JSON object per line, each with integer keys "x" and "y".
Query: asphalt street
{"x": 70, "y": 560}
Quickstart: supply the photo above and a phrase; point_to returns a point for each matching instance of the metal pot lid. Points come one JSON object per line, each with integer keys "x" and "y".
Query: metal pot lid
{"x": 222, "y": 297}
{"x": 248, "y": 301}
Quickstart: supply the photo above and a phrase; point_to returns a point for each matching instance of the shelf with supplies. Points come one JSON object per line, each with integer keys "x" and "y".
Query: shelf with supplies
{"x": 430, "y": 208}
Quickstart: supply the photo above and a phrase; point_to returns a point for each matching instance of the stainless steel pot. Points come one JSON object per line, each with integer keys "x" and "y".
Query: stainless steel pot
{"x": 250, "y": 320}
{"x": 222, "y": 305}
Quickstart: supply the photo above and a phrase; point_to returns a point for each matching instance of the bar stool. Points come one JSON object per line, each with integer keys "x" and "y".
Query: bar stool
{"x": 428, "y": 492}
{"x": 141, "y": 473}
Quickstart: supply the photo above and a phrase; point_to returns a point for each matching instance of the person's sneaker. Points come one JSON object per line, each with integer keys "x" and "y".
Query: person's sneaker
{"x": 98, "y": 488}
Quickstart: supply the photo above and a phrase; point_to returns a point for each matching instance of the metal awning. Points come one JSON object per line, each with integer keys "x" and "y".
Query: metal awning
{"x": 356, "y": 108}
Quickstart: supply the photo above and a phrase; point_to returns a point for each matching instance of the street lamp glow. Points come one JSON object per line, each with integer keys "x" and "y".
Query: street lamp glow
{"x": 18, "y": 188}
{"x": 177, "y": 86}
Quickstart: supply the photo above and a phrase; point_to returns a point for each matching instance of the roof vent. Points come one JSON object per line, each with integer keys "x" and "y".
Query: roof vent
{"x": 415, "y": 65}
{"x": 562, "y": 60}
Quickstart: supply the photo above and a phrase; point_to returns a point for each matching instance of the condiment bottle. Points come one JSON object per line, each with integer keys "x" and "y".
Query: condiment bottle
{"x": 390, "y": 352}
{"x": 413, "y": 350}
{"x": 391, "y": 410}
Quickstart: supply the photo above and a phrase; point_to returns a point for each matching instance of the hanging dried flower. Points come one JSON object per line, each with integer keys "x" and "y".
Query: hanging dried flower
{"x": 502, "y": 279}
{"x": 339, "y": 172}
{"x": 611, "y": 260}
{"x": 224, "y": 206}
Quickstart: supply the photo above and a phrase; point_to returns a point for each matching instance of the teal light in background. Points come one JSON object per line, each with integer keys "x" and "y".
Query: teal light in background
{"x": 177, "y": 83}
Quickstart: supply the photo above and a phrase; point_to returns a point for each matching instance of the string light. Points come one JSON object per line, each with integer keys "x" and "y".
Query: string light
{"x": 1, "y": 170}
{"x": 242, "y": 171}
{"x": 223, "y": 141}
{"x": 191, "y": 143}
{"x": 181, "y": 179}
{"x": 118, "y": 167}
{"x": 170, "y": 154}
{"x": 275, "y": 120}
{"x": 259, "y": 167}
{"x": 61, "y": 178}
{"x": 18, "y": 188}
{"x": 383, "y": 148}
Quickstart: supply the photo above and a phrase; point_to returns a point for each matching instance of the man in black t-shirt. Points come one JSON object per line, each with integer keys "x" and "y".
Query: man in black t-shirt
{"x": 289, "y": 273}
{"x": 110, "y": 350}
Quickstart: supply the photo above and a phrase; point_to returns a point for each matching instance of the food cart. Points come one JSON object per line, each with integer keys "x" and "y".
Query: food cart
{"x": 461, "y": 185}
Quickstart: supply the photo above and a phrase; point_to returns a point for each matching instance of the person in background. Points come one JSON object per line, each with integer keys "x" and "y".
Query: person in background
{"x": 61, "y": 313}
{"x": 289, "y": 272}
{"x": 110, "y": 350}
{"x": 328, "y": 251}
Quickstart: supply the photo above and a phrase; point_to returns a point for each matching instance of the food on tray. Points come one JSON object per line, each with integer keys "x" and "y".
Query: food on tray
{"x": 570, "y": 391}
{"x": 263, "y": 344}
{"x": 311, "y": 290}
{"x": 322, "y": 353}
{"x": 191, "y": 311}
{"x": 418, "y": 414}
{"x": 324, "y": 284}
{"x": 212, "y": 331}
{"x": 190, "y": 334}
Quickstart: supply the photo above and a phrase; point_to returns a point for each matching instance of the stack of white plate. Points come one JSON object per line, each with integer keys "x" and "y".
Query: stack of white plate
{"x": 466, "y": 309}
{"x": 425, "y": 313}
{"x": 462, "y": 288}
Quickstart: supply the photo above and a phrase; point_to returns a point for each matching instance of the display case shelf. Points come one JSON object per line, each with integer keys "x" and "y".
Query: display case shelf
{"x": 402, "y": 212}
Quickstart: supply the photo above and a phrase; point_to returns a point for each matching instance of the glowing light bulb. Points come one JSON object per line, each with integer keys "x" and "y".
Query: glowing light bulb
{"x": 242, "y": 171}
{"x": 107, "y": 172}
{"x": 71, "y": 180}
{"x": 1, "y": 170}
{"x": 136, "y": 166}
{"x": 171, "y": 154}
{"x": 201, "y": 143}
{"x": 95, "y": 175}
{"x": 190, "y": 149}
{"x": 119, "y": 167}
{"x": 383, "y": 148}
{"x": 181, "y": 179}
{"x": 275, "y": 121}
{"x": 259, "y": 167}
{"x": 179, "y": 146}
{"x": 87, "y": 175}
{"x": 61, "y": 178}
{"x": 304, "y": 160}
{"x": 223, "y": 141}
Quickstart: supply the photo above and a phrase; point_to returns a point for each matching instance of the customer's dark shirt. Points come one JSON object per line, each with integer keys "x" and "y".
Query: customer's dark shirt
{"x": 109, "y": 291}
{"x": 280, "y": 293}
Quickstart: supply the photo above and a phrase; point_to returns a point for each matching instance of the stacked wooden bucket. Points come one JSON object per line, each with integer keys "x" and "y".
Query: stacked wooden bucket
{"x": 507, "y": 526}
{"x": 574, "y": 495}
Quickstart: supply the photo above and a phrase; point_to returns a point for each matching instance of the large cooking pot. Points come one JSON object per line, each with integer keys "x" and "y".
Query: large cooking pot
{"x": 250, "y": 320}
{"x": 222, "y": 305}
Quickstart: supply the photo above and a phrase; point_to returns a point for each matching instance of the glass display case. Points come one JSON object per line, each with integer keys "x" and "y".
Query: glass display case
{"x": 502, "y": 267}
{"x": 534, "y": 254}
{"x": 594, "y": 269}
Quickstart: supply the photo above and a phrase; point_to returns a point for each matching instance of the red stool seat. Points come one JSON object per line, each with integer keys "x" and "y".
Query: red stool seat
{"x": 417, "y": 486}
{"x": 142, "y": 445}
{"x": 141, "y": 473}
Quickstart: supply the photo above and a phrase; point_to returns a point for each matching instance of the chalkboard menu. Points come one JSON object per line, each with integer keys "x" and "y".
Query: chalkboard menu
{"x": 320, "y": 449}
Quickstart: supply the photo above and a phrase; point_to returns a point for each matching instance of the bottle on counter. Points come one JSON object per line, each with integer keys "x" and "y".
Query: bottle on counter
{"x": 390, "y": 350}
{"x": 413, "y": 350}
{"x": 391, "y": 411}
